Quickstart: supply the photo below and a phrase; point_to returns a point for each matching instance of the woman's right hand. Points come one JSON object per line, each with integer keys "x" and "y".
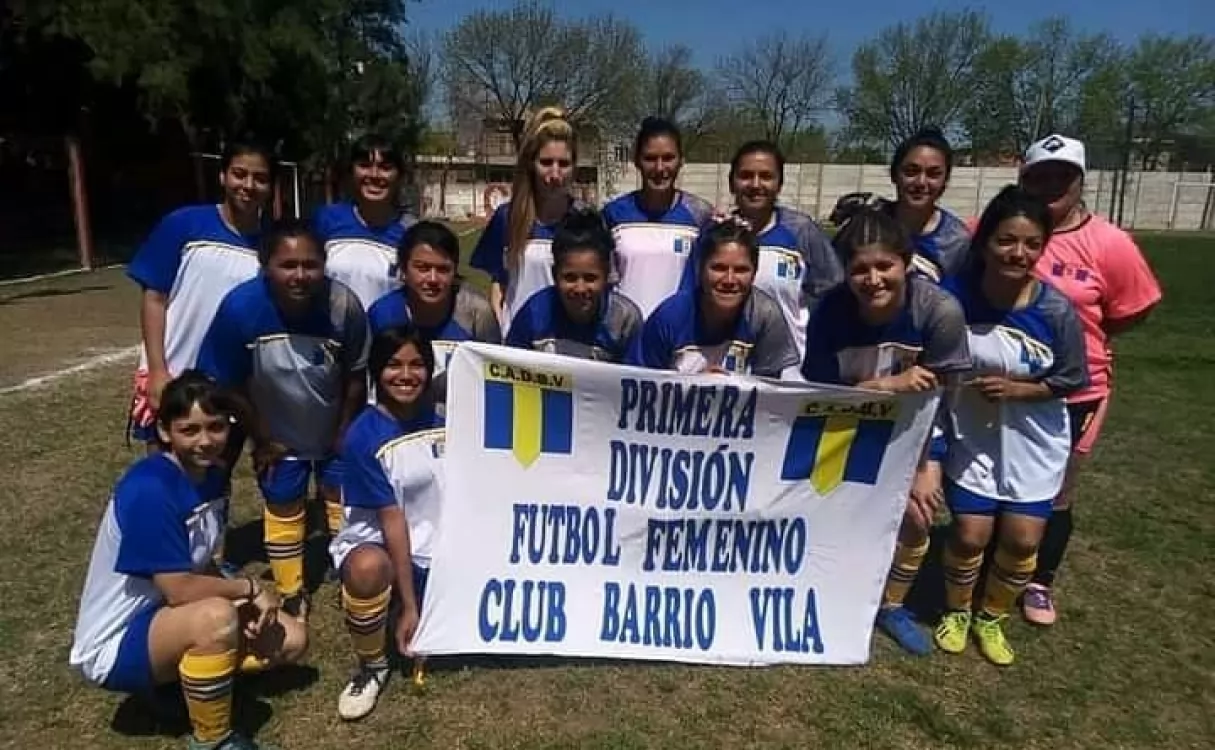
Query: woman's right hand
{"x": 914, "y": 380}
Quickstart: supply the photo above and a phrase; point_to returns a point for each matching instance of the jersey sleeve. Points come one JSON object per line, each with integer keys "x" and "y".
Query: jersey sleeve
{"x": 386, "y": 312}
{"x": 652, "y": 346}
{"x": 821, "y": 364}
{"x": 1070, "y": 370}
{"x": 946, "y": 344}
{"x": 158, "y": 259}
{"x": 490, "y": 253}
{"x": 1130, "y": 286}
{"x": 485, "y": 326}
{"x": 154, "y": 537}
{"x": 522, "y": 329}
{"x": 224, "y": 355}
{"x": 624, "y": 325}
{"x": 823, "y": 267}
{"x": 364, "y": 482}
{"x": 774, "y": 350}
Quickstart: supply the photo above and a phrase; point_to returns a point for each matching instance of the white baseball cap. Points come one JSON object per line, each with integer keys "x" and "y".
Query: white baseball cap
{"x": 1055, "y": 148}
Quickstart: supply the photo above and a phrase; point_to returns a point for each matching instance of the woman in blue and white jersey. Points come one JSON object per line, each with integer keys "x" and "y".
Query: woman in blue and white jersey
{"x": 655, "y": 227}
{"x": 920, "y": 173}
{"x": 434, "y": 299}
{"x": 194, "y": 257}
{"x": 797, "y": 264}
{"x": 392, "y": 493}
{"x": 293, "y": 343}
{"x": 888, "y": 329}
{"x": 580, "y": 315}
{"x": 515, "y": 249}
{"x": 361, "y": 235}
{"x": 154, "y": 611}
{"x": 723, "y": 324}
{"x": 1009, "y": 436}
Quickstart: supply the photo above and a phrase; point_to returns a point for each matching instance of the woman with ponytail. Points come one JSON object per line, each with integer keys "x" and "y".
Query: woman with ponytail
{"x": 515, "y": 249}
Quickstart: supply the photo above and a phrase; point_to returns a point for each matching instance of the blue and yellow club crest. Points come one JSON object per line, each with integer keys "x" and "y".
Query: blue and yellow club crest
{"x": 528, "y": 412}
{"x": 835, "y": 442}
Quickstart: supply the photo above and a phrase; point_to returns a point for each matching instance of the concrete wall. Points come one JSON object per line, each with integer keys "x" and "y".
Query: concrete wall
{"x": 1154, "y": 200}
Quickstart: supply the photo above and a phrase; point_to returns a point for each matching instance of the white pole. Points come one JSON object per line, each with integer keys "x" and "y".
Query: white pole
{"x": 1173, "y": 204}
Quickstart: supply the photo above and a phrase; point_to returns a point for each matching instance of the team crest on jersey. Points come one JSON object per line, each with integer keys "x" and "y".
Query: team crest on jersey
{"x": 736, "y": 358}
{"x": 788, "y": 264}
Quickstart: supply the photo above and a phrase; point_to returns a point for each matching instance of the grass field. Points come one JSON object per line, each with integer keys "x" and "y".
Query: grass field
{"x": 1130, "y": 664}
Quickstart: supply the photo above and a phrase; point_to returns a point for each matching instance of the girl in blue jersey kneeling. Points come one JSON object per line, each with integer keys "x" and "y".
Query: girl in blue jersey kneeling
{"x": 888, "y": 329}
{"x": 1009, "y": 437}
{"x": 580, "y": 316}
{"x": 392, "y": 493}
{"x": 723, "y": 323}
{"x": 154, "y": 610}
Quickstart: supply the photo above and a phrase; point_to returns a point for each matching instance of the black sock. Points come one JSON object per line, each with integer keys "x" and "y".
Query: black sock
{"x": 1054, "y": 544}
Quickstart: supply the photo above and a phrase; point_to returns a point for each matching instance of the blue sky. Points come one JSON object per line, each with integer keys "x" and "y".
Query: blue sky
{"x": 713, "y": 27}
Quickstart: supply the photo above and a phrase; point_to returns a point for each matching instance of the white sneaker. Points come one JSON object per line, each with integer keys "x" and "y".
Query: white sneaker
{"x": 362, "y": 692}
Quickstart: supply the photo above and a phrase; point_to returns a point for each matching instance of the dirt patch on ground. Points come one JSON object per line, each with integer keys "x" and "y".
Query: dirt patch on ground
{"x": 56, "y": 323}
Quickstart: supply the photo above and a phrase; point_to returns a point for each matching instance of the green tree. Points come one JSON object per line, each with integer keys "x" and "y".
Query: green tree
{"x": 913, "y": 75}
{"x": 504, "y": 64}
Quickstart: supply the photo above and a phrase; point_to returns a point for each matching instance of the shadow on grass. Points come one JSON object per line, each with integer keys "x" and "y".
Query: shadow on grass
{"x": 162, "y": 713}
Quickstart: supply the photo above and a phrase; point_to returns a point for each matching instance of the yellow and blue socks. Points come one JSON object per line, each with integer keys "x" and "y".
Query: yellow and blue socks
{"x": 366, "y": 621}
{"x": 903, "y": 571}
{"x": 284, "y": 539}
{"x": 206, "y": 682}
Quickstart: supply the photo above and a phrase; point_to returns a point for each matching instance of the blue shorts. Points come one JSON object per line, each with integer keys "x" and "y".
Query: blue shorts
{"x": 132, "y": 670}
{"x": 962, "y": 501}
{"x": 287, "y": 480}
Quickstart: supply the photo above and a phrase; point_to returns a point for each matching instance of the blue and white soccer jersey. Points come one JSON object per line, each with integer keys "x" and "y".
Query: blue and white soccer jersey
{"x": 471, "y": 319}
{"x": 158, "y": 521}
{"x": 194, "y": 258}
{"x": 295, "y": 370}
{"x": 929, "y": 331}
{"x": 797, "y": 265}
{"x": 535, "y": 271}
{"x": 942, "y": 252}
{"x": 542, "y": 325}
{"x": 362, "y": 257}
{"x": 675, "y": 338}
{"x": 652, "y": 250}
{"x": 389, "y": 462}
{"x": 1014, "y": 452}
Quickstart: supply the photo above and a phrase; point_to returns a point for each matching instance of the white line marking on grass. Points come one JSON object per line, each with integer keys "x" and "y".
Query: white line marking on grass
{"x": 92, "y": 363}
{"x": 56, "y": 275}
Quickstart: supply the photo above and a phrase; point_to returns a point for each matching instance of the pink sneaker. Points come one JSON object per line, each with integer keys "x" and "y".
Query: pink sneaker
{"x": 1038, "y": 605}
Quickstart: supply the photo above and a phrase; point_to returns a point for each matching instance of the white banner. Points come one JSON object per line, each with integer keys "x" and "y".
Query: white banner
{"x": 606, "y": 511}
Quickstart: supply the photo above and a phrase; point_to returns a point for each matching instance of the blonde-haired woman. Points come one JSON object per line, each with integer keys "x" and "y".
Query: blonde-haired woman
{"x": 515, "y": 249}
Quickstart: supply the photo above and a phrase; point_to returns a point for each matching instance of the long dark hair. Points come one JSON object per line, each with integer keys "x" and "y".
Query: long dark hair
{"x": 1011, "y": 202}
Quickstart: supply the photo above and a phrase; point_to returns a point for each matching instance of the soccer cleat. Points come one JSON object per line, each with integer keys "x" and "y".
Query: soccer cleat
{"x": 898, "y": 623}
{"x": 1038, "y": 605}
{"x": 951, "y": 633}
{"x": 362, "y": 692}
{"x": 234, "y": 741}
{"x": 989, "y": 634}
